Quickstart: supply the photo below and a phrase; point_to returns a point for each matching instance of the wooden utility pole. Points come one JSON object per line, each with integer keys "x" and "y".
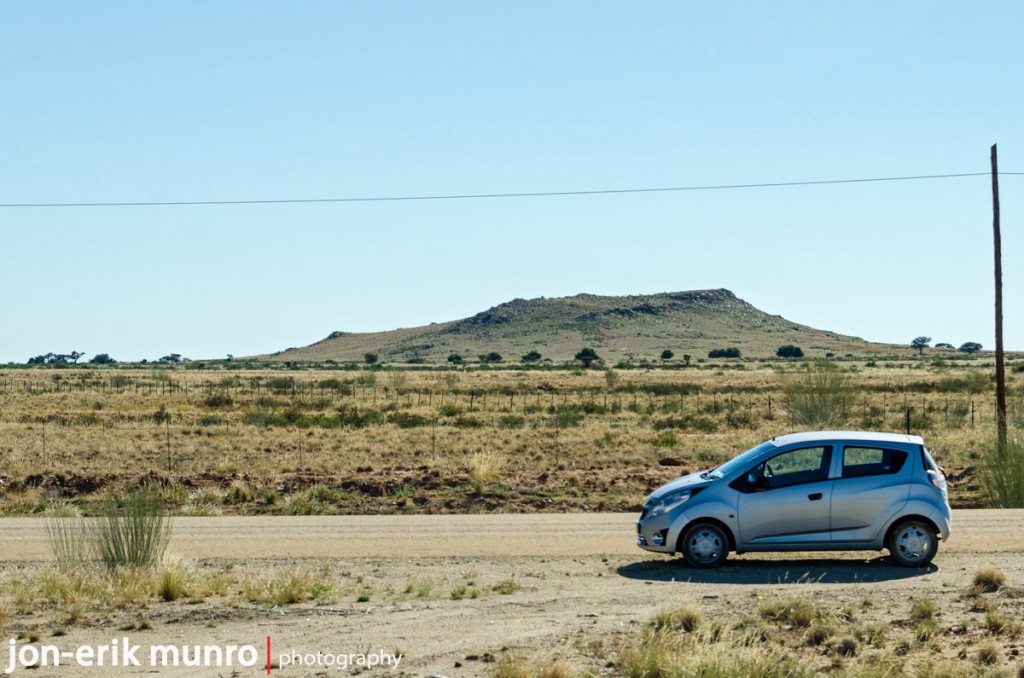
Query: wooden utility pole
{"x": 1000, "y": 369}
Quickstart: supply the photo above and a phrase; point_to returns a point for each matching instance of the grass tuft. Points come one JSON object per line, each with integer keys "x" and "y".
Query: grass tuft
{"x": 1002, "y": 475}
{"x": 923, "y": 609}
{"x": 685, "y": 619}
{"x": 988, "y": 653}
{"x": 134, "y": 531}
{"x": 484, "y": 468}
{"x": 818, "y": 396}
{"x": 989, "y": 579}
{"x": 171, "y": 585}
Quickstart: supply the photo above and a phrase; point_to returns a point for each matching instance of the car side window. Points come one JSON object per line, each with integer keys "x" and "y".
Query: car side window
{"x": 859, "y": 462}
{"x": 794, "y": 467}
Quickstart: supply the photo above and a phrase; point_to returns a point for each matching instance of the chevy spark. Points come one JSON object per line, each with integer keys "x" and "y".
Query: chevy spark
{"x": 817, "y": 491}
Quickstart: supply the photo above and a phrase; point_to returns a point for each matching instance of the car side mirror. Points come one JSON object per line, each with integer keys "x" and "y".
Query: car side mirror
{"x": 756, "y": 479}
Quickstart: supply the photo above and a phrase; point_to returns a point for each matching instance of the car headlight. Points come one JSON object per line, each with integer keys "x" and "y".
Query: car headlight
{"x": 670, "y": 502}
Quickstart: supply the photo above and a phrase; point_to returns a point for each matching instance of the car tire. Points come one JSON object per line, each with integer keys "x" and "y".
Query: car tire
{"x": 913, "y": 543}
{"x": 705, "y": 545}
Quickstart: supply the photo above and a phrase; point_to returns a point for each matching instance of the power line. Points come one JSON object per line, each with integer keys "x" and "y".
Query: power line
{"x": 484, "y": 196}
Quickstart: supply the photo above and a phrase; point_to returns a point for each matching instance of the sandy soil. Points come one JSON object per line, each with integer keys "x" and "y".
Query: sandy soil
{"x": 578, "y": 579}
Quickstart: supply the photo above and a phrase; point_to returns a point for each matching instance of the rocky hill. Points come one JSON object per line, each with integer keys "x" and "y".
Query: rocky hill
{"x": 618, "y": 328}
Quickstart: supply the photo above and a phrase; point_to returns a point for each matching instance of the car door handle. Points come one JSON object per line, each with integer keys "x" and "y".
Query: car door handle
{"x": 814, "y": 497}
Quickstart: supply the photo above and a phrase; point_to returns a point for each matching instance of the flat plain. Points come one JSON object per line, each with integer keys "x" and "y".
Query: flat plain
{"x": 479, "y": 520}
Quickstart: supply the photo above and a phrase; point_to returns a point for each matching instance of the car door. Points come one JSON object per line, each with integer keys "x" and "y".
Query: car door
{"x": 785, "y": 499}
{"x": 873, "y": 485}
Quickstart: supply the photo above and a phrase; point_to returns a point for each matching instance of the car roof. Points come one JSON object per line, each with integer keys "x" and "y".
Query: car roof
{"x": 858, "y": 436}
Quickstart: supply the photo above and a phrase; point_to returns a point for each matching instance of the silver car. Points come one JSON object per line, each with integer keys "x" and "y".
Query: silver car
{"x": 819, "y": 491}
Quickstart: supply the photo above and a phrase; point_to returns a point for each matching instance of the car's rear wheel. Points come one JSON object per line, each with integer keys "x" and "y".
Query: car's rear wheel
{"x": 913, "y": 543}
{"x": 705, "y": 545}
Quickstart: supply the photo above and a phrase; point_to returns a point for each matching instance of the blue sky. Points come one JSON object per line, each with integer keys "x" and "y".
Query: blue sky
{"x": 186, "y": 101}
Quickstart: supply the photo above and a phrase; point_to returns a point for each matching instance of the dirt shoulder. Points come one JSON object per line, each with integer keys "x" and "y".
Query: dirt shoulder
{"x": 565, "y": 586}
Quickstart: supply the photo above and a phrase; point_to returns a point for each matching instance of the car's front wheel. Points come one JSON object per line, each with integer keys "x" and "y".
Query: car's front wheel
{"x": 913, "y": 543}
{"x": 705, "y": 545}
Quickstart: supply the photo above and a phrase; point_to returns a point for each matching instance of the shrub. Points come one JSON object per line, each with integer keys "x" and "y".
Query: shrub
{"x": 1002, "y": 475}
{"x": 332, "y": 385}
{"x": 469, "y": 422}
{"x": 789, "y": 351}
{"x": 531, "y": 357}
{"x": 219, "y": 400}
{"x": 450, "y": 410}
{"x": 239, "y": 492}
{"x": 587, "y": 356}
{"x": 69, "y": 540}
{"x": 732, "y": 352}
{"x": 133, "y": 530}
{"x": 511, "y": 421}
{"x": 818, "y": 396}
{"x": 408, "y": 420}
{"x": 666, "y": 439}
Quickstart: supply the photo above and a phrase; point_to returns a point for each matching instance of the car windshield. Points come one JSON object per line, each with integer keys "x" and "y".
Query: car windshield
{"x": 736, "y": 463}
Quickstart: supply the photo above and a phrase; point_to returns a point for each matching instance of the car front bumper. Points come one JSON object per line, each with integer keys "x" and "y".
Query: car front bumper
{"x": 654, "y": 534}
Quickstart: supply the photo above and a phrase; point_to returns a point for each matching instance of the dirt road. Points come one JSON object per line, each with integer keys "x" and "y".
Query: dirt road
{"x": 544, "y": 583}
{"x": 542, "y": 535}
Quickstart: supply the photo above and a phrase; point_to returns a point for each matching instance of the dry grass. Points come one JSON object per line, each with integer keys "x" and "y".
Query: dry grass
{"x": 289, "y": 586}
{"x": 517, "y": 666}
{"x": 484, "y": 468}
{"x": 778, "y": 642}
{"x": 989, "y": 579}
{"x": 237, "y": 437}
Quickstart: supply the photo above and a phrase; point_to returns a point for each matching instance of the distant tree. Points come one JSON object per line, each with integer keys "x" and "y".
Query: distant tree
{"x": 102, "y": 359}
{"x": 970, "y": 347}
{"x": 724, "y": 353}
{"x": 492, "y": 357}
{"x": 370, "y": 358}
{"x": 455, "y": 359}
{"x": 531, "y": 357}
{"x": 943, "y": 344}
{"x": 587, "y": 356}
{"x": 667, "y": 354}
{"x": 789, "y": 351}
{"x": 55, "y": 358}
{"x": 921, "y": 343}
{"x": 687, "y": 358}
{"x": 172, "y": 358}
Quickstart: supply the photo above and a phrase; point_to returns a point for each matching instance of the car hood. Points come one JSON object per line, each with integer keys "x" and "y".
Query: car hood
{"x": 690, "y": 482}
